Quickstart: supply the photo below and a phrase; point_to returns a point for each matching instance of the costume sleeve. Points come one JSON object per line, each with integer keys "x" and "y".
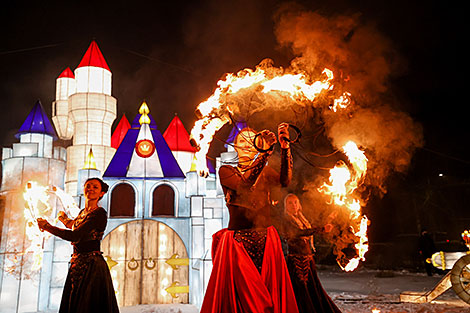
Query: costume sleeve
{"x": 68, "y": 222}
{"x": 286, "y": 167}
{"x": 96, "y": 220}
{"x": 231, "y": 178}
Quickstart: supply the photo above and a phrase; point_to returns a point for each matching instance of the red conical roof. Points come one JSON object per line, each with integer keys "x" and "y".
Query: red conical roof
{"x": 67, "y": 73}
{"x": 120, "y": 132}
{"x": 93, "y": 57}
{"x": 177, "y": 137}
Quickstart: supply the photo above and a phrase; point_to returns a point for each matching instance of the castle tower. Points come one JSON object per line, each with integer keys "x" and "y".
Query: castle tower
{"x": 177, "y": 139}
{"x": 23, "y": 289}
{"x": 91, "y": 108}
{"x": 65, "y": 87}
{"x": 120, "y": 132}
{"x": 143, "y": 152}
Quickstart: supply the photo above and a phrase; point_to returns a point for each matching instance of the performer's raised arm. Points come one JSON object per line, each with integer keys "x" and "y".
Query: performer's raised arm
{"x": 96, "y": 220}
{"x": 286, "y": 155}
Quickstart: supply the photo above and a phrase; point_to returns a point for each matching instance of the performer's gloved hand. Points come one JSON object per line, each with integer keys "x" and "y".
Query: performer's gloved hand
{"x": 283, "y": 134}
{"x": 42, "y": 223}
{"x": 269, "y": 139}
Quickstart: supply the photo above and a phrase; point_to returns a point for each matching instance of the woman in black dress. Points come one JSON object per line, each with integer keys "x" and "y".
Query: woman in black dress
{"x": 88, "y": 287}
{"x": 310, "y": 295}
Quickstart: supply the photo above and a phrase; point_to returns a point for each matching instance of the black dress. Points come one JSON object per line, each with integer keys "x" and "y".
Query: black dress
{"x": 88, "y": 287}
{"x": 310, "y": 295}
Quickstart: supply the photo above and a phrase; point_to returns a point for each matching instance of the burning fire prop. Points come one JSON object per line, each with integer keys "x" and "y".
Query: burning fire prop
{"x": 341, "y": 192}
{"x": 270, "y": 85}
{"x": 218, "y": 109}
{"x": 38, "y": 204}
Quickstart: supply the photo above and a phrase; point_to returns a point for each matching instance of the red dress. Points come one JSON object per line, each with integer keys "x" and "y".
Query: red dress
{"x": 249, "y": 272}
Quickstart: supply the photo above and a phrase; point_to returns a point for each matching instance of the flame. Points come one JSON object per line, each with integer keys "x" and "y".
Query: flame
{"x": 37, "y": 199}
{"x": 215, "y": 111}
{"x": 342, "y": 102}
{"x": 38, "y": 206}
{"x": 375, "y": 310}
{"x": 341, "y": 189}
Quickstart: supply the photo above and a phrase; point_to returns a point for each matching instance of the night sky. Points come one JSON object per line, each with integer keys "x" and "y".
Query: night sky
{"x": 171, "y": 53}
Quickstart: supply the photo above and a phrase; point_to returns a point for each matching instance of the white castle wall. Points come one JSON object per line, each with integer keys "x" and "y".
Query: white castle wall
{"x": 33, "y": 158}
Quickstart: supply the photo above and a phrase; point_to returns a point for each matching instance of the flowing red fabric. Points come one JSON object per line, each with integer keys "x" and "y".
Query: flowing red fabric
{"x": 236, "y": 286}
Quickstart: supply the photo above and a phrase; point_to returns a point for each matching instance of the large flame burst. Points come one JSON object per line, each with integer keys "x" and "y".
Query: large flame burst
{"x": 217, "y": 110}
{"x": 37, "y": 199}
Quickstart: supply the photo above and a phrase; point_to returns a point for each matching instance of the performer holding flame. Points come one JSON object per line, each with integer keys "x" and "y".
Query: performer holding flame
{"x": 88, "y": 287}
{"x": 249, "y": 272}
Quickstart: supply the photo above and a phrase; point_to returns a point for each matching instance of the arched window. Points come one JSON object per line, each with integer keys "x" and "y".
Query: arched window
{"x": 122, "y": 201}
{"x": 163, "y": 201}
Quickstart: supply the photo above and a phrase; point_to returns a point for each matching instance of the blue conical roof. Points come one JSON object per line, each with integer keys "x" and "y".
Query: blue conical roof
{"x": 37, "y": 122}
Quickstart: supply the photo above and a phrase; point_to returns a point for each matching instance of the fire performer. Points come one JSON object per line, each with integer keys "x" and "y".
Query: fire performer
{"x": 310, "y": 295}
{"x": 249, "y": 271}
{"x": 88, "y": 287}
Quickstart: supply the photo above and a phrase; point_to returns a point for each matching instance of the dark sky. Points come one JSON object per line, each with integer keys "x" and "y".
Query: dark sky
{"x": 171, "y": 53}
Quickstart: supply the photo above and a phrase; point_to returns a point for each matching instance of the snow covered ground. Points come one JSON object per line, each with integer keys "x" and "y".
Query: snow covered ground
{"x": 360, "y": 292}
{"x": 364, "y": 290}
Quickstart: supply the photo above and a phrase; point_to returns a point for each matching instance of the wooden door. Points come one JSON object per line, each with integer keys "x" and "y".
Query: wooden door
{"x": 148, "y": 263}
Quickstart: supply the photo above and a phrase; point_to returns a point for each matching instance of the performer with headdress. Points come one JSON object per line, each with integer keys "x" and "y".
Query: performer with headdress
{"x": 297, "y": 230}
{"x": 249, "y": 272}
{"x": 88, "y": 287}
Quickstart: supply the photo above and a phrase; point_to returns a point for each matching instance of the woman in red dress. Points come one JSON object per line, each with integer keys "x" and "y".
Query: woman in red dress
{"x": 88, "y": 287}
{"x": 249, "y": 272}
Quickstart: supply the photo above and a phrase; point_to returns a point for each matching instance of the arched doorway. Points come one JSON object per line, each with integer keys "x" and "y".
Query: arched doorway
{"x": 148, "y": 263}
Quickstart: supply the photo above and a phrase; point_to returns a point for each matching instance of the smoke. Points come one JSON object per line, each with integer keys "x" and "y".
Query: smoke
{"x": 363, "y": 62}
{"x": 367, "y": 62}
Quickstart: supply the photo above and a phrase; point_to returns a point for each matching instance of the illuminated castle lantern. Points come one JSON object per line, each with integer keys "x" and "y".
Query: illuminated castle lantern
{"x": 178, "y": 140}
{"x": 34, "y": 158}
{"x": 86, "y": 97}
{"x": 88, "y": 170}
{"x": 120, "y": 132}
{"x": 65, "y": 87}
{"x": 161, "y": 213}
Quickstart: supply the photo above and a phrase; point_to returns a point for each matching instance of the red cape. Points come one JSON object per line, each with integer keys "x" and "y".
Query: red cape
{"x": 235, "y": 284}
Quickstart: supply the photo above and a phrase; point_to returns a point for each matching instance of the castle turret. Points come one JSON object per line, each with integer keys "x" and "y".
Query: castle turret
{"x": 120, "y": 132}
{"x": 93, "y": 110}
{"x": 65, "y": 86}
{"x": 178, "y": 140}
{"x": 34, "y": 158}
{"x": 143, "y": 152}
